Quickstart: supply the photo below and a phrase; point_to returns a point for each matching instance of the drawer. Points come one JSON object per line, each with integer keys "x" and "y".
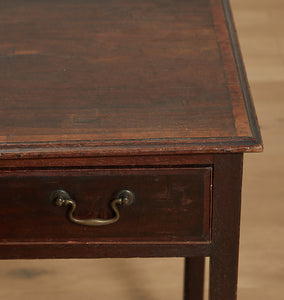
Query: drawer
{"x": 171, "y": 204}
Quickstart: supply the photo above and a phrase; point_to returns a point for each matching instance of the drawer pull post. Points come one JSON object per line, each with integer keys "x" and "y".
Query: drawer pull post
{"x": 62, "y": 198}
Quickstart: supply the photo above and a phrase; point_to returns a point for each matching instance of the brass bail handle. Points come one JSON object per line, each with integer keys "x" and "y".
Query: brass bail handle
{"x": 62, "y": 198}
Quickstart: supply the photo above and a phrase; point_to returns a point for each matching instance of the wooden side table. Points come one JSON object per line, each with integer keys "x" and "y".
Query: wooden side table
{"x": 122, "y": 132}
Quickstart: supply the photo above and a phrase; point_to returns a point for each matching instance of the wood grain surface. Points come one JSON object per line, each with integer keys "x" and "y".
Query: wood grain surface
{"x": 260, "y": 27}
{"x": 122, "y": 77}
{"x": 171, "y": 205}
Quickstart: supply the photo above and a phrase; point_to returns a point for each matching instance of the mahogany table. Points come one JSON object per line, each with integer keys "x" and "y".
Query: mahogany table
{"x": 122, "y": 132}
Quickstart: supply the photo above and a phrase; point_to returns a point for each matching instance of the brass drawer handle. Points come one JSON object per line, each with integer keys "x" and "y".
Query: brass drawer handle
{"x": 62, "y": 198}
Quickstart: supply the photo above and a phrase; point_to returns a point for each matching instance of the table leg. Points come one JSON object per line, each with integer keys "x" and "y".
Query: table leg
{"x": 225, "y": 227}
{"x": 193, "y": 278}
{"x": 223, "y": 277}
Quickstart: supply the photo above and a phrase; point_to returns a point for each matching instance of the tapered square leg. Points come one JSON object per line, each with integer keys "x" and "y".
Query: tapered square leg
{"x": 223, "y": 277}
{"x": 193, "y": 278}
{"x": 225, "y": 227}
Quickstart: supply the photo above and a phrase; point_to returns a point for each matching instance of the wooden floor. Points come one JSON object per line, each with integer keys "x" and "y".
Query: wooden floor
{"x": 260, "y": 24}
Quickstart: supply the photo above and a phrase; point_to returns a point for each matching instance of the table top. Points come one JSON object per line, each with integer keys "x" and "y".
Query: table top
{"x": 122, "y": 77}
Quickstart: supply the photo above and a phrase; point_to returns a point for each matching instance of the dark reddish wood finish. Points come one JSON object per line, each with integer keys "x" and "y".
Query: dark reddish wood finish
{"x": 171, "y": 205}
{"x": 71, "y": 249}
{"x": 152, "y": 77}
{"x": 97, "y": 96}
{"x": 194, "y": 278}
{"x": 225, "y": 226}
{"x": 109, "y": 161}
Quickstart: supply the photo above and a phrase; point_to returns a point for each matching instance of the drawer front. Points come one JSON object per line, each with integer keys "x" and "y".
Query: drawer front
{"x": 171, "y": 204}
